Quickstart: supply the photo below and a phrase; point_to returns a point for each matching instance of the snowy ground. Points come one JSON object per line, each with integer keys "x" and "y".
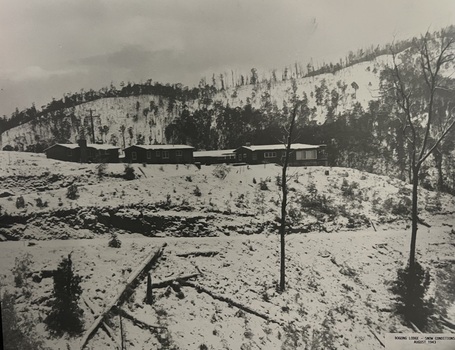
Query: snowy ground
{"x": 338, "y": 273}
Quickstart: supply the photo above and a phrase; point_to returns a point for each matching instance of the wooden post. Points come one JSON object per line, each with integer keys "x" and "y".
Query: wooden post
{"x": 149, "y": 296}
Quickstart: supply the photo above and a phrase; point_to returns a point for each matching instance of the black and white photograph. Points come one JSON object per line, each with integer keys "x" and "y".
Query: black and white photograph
{"x": 226, "y": 174}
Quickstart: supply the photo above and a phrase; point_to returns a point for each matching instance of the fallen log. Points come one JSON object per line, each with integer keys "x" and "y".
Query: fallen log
{"x": 169, "y": 281}
{"x": 136, "y": 321}
{"x": 376, "y": 336}
{"x": 110, "y": 334}
{"x": 209, "y": 253}
{"x": 125, "y": 291}
{"x": 231, "y": 302}
{"x": 448, "y": 323}
{"x": 414, "y": 327}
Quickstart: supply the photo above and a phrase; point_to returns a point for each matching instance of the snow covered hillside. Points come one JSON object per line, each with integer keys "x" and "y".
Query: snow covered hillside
{"x": 348, "y": 233}
{"x": 145, "y": 117}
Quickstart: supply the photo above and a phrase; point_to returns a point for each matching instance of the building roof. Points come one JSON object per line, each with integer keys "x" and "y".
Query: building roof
{"x": 215, "y": 153}
{"x": 294, "y": 146}
{"x": 91, "y": 145}
{"x": 165, "y": 147}
{"x": 103, "y": 146}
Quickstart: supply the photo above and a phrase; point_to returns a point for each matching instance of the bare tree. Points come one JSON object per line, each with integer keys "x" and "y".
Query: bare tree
{"x": 415, "y": 88}
{"x": 298, "y": 105}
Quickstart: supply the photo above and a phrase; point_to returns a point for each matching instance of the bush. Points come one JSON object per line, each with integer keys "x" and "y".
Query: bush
{"x": 18, "y": 332}
{"x": 40, "y": 203}
{"x": 65, "y": 315}
{"x": 347, "y": 189}
{"x": 115, "y": 242}
{"x": 20, "y": 202}
{"x": 72, "y": 192}
{"x": 263, "y": 185}
{"x": 129, "y": 172}
{"x": 101, "y": 170}
{"x": 188, "y": 179}
{"x": 197, "y": 191}
{"x": 402, "y": 207}
{"x": 317, "y": 204}
{"x": 410, "y": 291}
{"x": 21, "y": 270}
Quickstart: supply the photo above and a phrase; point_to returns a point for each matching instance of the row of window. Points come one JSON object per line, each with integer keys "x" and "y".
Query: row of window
{"x": 158, "y": 154}
{"x": 300, "y": 155}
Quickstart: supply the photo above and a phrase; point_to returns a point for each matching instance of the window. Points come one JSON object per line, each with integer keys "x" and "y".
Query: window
{"x": 255, "y": 156}
{"x": 240, "y": 156}
{"x": 302, "y": 155}
{"x": 269, "y": 154}
{"x": 106, "y": 152}
{"x": 165, "y": 154}
{"x": 149, "y": 154}
{"x": 244, "y": 156}
{"x": 133, "y": 155}
{"x": 178, "y": 153}
{"x": 158, "y": 154}
{"x": 69, "y": 153}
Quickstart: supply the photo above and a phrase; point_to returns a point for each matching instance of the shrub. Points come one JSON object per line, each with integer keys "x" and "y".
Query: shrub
{"x": 188, "y": 179}
{"x": 65, "y": 315}
{"x": 317, "y": 204}
{"x": 72, "y": 192}
{"x": 114, "y": 242}
{"x": 18, "y": 332}
{"x": 21, "y": 272}
{"x": 20, "y": 202}
{"x": 101, "y": 170}
{"x": 410, "y": 293}
{"x": 129, "y": 173}
{"x": 197, "y": 191}
{"x": 254, "y": 180}
{"x": 263, "y": 185}
{"x": 402, "y": 207}
{"x": 40, "y": 203}
{"x": 347, "y": 189}
{"x": 221, "y": 171}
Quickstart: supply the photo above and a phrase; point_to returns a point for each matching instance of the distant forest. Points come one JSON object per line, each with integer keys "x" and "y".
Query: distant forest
{"x": 178, "y": 92}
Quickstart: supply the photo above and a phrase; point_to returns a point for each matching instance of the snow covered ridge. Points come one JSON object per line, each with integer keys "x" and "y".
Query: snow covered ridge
{"x": 215, "y": 284}
{"x": 143, "y": 124}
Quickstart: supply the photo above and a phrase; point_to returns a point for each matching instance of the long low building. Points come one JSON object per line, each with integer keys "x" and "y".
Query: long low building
{"x": 83, "y": 152}
{"x": 215, "y": 157}
{"x": 301, "y": 154}
{"x": 159, "y": 154}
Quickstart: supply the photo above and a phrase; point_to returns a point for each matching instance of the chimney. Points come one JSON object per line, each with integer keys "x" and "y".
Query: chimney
{"x": 248, "y": 144}
{"x": 83, "y": 149}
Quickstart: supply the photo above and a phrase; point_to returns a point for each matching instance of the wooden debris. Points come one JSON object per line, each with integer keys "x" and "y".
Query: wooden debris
{"x": 231, "y": 302}
{"x": 169, "y": 281}
{"x": 136, "y": 321}
{"x": 414, "y": 327}
{"x": 125, "y": 292}
{"x": 448, "y": 323}
{"x": 376, "y": 336}
{"x": 191, "y": 254}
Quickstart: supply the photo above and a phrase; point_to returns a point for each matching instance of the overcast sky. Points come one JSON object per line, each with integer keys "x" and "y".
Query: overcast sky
{"x": 49, "y": 47}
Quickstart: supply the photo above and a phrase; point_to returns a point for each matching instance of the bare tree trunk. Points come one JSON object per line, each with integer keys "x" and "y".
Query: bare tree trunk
{"x": 414, "y": 217}
{"x": 438, "y": 160}
{"x": 284, "y": 189}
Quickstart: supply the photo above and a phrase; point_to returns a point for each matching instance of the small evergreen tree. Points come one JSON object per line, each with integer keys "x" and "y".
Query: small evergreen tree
{"x": 410, "y": 290}
{"x": 65, "y": 315}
